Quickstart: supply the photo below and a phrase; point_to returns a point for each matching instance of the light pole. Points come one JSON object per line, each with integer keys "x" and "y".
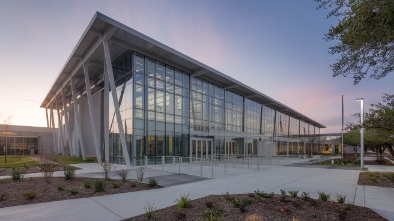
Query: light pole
{"x": 362, "y": 131}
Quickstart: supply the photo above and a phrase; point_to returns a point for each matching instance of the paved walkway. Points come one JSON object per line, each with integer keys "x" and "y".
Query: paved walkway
{"x": 235, "y": 180}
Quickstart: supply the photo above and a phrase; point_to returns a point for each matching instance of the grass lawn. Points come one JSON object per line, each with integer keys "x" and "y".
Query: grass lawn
{"x": 32, "y": 160}
{"x": 341, "y": 162}
{"x": 17, "y": 161}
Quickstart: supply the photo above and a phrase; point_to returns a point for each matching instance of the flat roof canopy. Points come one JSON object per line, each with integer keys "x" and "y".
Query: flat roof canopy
{"x": 121, "y": 38}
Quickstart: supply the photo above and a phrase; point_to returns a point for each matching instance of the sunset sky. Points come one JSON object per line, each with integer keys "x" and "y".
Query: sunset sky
{"x": 276, "y": 47}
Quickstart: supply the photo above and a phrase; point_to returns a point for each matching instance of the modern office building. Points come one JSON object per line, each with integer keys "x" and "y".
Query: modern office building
{"x": 122, "y": 95}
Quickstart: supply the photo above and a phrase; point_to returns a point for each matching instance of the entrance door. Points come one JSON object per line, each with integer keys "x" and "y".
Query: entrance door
{"x": 231, "y": 149}
{"x": 200, "y": 148}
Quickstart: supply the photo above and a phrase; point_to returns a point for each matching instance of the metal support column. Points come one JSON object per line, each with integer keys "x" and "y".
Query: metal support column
{"x": 92, "y": 115}
{"x": 54, "y": 148}
{"x": 67, "y": 128}
{"x": 106, "y": 115}
{"x": 77, "y": 121}
{"x": 116, "y": 103}
{"x": 46, "y": 114}
{"x": 60, "y": 129}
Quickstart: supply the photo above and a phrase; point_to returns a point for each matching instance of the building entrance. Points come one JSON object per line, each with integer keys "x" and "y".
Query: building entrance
{"x": 200, "y": 148}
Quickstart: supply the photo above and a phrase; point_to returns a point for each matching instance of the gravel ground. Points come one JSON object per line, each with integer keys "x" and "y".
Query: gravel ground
{"x": 12, "y": 193}
{"x": 275, "y": 208}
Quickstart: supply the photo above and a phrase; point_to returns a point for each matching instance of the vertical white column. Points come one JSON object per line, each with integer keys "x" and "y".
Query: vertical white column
{"x": 65, "y": 110}
{"x": 46, "y": 114}
{"x": 92, "y": 114}
{"x": 60, "y": 128}
{"x": 106, "y": 114}
{"x": 116, "y": 103}
{"x": 77, "y": 122}
{"x": 54, "y": 148}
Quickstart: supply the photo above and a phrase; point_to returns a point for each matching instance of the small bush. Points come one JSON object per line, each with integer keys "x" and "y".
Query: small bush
{"x": 152, "y": 182}
{"x": 115, "y": 185}
{"x": 74, "y": 190}
{"x": 149, "y": 209}
{"x": 305, "y": 196}
{"x": 123, "y": 174}
{"x": 106, "y": 170}
{"x": 47, "y": 170}
{"x": 254, "y": 217}
{"x": 341, "y": 199}
{"x": 17, "y": 174}
{"x": 87, "y": 184}
{"x": 60, "y": 187}
{"x": 347, "y": 206}
{"x": 179, "y": 215}
{"x": 99, "y": 186}
{"x": 209, "y": 204}
{"x": 264, "y": 194}
{"x": 3, "y": 196}
{"x": 133, "y": 184}
{"x": 323, "y": 196}
{"x": 213, "y": 215}
{"x": 283, "y": 192}
{"x": 69, "y": 172}
{"x": 293, "y": 193}
{"x": 183, "y": 201}
{"x": 246, "y": 202}
{"x": 30, "y": 194}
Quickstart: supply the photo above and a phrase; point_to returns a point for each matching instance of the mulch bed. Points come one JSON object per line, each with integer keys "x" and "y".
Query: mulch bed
{"x": 382, "y": 179}
{"x": 275, "y": 208}
{"x": 30, "y": 169}
{"x": 374, "y": 162}
{"x": 12, "y": 192}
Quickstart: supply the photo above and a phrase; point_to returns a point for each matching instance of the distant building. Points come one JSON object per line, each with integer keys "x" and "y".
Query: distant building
{"x": 122, "y": 95}
{"x": 25, "y": 140}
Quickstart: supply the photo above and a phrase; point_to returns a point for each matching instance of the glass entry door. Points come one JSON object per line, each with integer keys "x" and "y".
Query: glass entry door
{"x": 200, "y": 148}
{"x": 231, "y": 149}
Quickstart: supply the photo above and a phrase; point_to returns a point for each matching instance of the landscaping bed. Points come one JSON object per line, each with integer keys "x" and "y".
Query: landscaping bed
{"x": 242, "y": 207}
{"x": 38, "y": 190}
{"x": 382, "y": 179}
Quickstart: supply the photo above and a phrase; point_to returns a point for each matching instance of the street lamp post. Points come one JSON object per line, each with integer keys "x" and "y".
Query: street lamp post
{"x": 362, "y": 131}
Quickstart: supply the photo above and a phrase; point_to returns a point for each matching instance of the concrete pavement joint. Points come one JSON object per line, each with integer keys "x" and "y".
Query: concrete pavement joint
{"x": 107, "y": 208}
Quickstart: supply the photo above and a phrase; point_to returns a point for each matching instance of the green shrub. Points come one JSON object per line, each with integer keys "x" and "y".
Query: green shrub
{"x": 99, "y": 186}
{"x": 3, "y": 196}
{"x": 87, "y": 184}
{"x": 293, "y": 193}
{"x": 60, "y": 187}
{"x": 152, "y": 182}
{"x": 323, "y": 196}
{"x": 305, "y": 196}
{"x": 283, "y": 192}
{"x": 347, "y": 206}
{"x": 30, "y": 194}
{"x": 247, "y": 202}
{"x": 183, "y": 201}
{"x": 47, "y": 170}
{"x": 69, "y": 172}
{"x": 17, "y": 174}
{"x": 74, "y": 190}
{"x": 213, "y": 215}
{"x": 341, "y": 199}
{"x": 123, "y": 174}
{"x": 149, "y": 209}
{"x": 133, "y": 184}
{"x": 264, "y": 194}
{"x": 115, "y": 185}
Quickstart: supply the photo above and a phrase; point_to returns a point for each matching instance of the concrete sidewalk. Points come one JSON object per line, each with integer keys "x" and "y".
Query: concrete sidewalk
{"x": 235, "y": 180}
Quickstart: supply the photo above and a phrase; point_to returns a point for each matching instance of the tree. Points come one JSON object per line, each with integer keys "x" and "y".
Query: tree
{"x": 352, "y": 138}
{"x": 364, "y": 37}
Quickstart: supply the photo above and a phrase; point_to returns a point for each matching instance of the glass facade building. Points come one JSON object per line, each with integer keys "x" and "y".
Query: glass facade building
{"x": 166, "y": 104}
{"x": 166, "y": 112}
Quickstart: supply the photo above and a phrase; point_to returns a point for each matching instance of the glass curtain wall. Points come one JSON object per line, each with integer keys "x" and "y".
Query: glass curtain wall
{"x": 161, "y": 109}
{"x": 124, "y": 89}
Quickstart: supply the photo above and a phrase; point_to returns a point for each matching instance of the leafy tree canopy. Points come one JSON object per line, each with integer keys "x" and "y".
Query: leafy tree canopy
{"x": 364, "y": 37}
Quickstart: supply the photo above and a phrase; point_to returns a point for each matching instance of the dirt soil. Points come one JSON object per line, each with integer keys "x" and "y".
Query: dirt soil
{"x": 12, "y": 192}
{"x": 373, "y": 162}
{"x": 275, "y": 208}
{"x": 382, "y": 179}
{"x": 30, "y": 169}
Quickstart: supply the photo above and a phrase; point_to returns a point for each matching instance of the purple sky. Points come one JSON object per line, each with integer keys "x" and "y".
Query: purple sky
{"x": 276, "y": 47}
